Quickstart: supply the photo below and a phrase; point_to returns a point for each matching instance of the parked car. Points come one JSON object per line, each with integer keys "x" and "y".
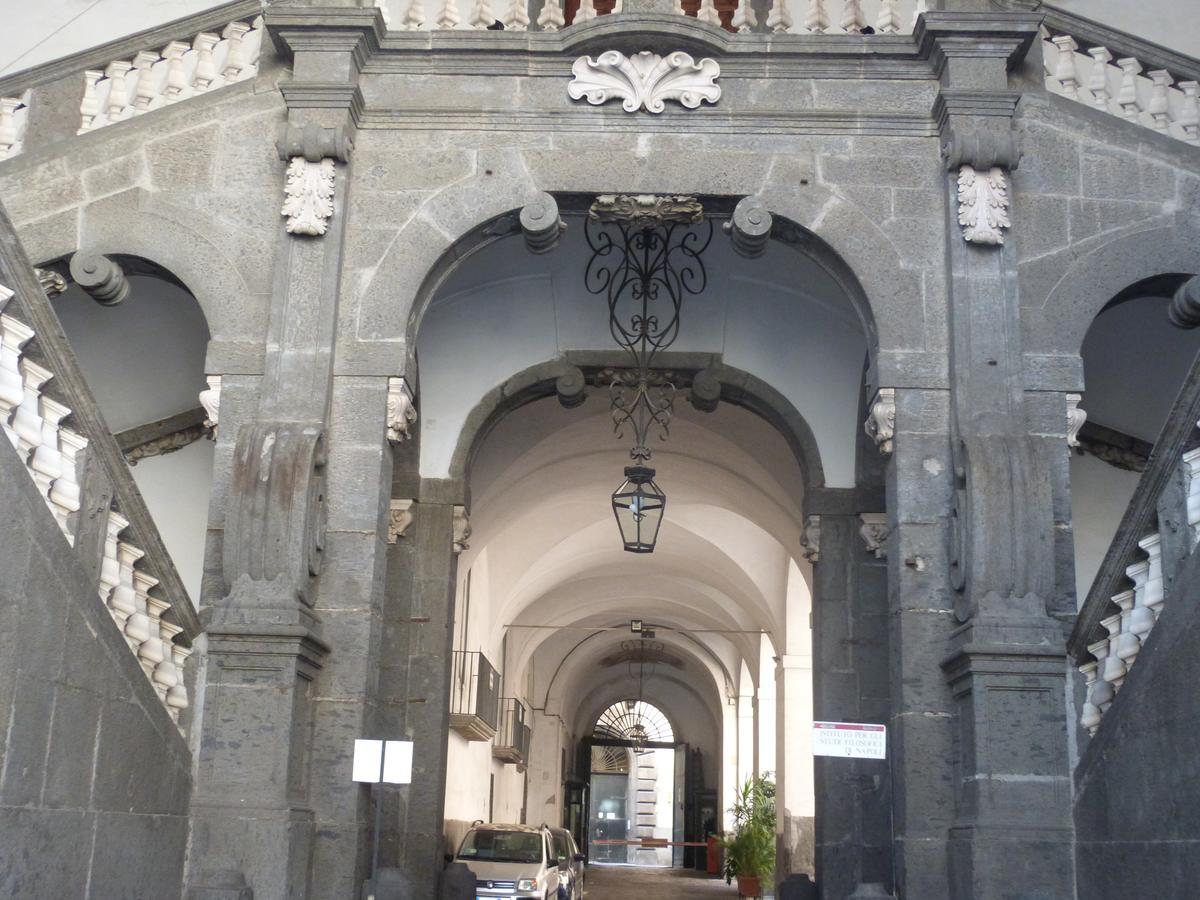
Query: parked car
{"x": 511, "y": 861}
{"x": 571, "y": 863}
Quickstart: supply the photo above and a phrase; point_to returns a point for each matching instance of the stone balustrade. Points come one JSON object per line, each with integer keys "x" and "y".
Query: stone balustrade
{"x": 1139, "y": 91}
{"x": 154, "y": 78}
{"x": 784, "y": 16}
{"x": 51, "y": 451}
{"x": 14, "y": 112}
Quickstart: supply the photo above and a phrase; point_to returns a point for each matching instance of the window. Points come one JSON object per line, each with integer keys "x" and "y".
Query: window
{"x": 502, "y": 846}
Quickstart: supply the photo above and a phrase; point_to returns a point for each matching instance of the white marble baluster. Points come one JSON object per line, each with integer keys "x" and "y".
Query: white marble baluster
{"x": 1127, "y": 97}
{"x": 129, "y": 611}
{"x": 1128, "y": 643}
{"x": 45, "y": 463}
{"x": 1097, "y": 82}
{"x": 1103, "y": 691}
{"x": 206, "y": 65}
{"x": 65, "y": 492}
{"x": 516, "y": 16}
{"x": 1113, "y": 670}
{"x": 166, "y": 673}
{"x": 1189, "y": 111}
{"x": 888, "y": 20}
{"x": 151, "y": 651}
{"x": 853, "y": 20}
{"x": 414, "y": 16}
{"x": 1064, "y": 65}
{"x": 177, "y": 698}
{"x": 779, "y": 19}
{"x": 177, "y": 83}
{"x": 110, "y": 567}
{"x": 13, "y": 337}
{"x": 1090, "y": 716}
{"x": 89, "y": 107}
{"x": 708, "y": 13}
{"x": 816, "y": 20}
{"x": 551, "y": 17}
{"x": 1159, "y": 107}
{"x": 27, "y": 419}
{"x": 745, "y": 20}
{"x": 1154, "y": 593}
{"x": 147, "y": 88}
{"x": 448, "y": 16}
{"x": 481, "y": 15}
{"x": 9, "y": 136}
{"x": 118, "y": 92}
{"x": 586, "y": 11}
{"x": 921, "y": 9}
{"x": 1191, "y": 480}
{"x": 235, "y": 60}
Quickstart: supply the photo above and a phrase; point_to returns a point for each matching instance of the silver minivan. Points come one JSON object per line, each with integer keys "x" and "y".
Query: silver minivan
{"x": 511, "y": 861}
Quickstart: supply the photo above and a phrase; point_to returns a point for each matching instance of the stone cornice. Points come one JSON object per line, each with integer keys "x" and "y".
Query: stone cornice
{"x": 324, "y": 95}
{"x": 977, "y": 34}
{"x": 355, "y": 30}
{"x": 97, "y": 57}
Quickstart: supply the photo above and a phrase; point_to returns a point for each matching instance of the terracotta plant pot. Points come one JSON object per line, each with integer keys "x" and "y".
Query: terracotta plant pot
{"x": 749, "y": 886}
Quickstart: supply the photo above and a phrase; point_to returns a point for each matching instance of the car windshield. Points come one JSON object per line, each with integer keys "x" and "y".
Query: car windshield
{"x": 502, "y": 846}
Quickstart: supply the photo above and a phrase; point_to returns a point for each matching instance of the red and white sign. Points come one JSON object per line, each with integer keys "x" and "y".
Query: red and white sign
{"x": 850, "y": 739}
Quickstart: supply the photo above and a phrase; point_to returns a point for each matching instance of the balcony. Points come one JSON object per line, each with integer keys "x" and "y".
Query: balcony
{"x": 474, "y": 697}
{"x": 512, "y": 740}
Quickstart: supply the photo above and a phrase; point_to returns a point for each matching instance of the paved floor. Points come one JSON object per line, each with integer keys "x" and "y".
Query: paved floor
{"x": 630, "y": 883}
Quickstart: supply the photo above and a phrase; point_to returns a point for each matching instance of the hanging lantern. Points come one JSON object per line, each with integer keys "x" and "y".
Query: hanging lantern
{"x": 639, "y": 504}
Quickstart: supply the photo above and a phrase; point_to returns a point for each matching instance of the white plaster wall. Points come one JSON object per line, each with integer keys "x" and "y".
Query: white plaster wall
{"x": 176, "y": 490}
{"x": 1100, "y": 494}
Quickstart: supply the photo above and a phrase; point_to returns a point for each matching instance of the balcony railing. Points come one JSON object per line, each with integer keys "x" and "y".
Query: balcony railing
{"x": 474, "y": 696}
{"x": 512, "y": 739}
{"x": 1138, "y": 572}
{"x": 48, "y": 414}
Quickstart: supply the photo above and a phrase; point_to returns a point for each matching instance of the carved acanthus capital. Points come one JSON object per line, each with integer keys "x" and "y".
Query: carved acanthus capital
{"x": 875, "y": 531}
{"x": 646, "y": 210}
{"x": 401, "y": 411}
{"x": 541, "y": 223}
{"x": 210, "y": 399}
{"x": 983, "y": 157}
{"x": 881, "y": 420}
{"x": 462, "y": 529}
{"x": 983, "y": 202}
{"x": 400, "y": 516}
{"x": 810, "y": 539}
{"x": 311, "y": 177}
{"x": 645, "y": 80}
{"x": 1076, "y": 416}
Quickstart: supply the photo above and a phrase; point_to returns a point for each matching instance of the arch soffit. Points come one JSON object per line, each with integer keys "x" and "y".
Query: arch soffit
{"x": 1093, "y": 279}
{"x": 604, "y": 695}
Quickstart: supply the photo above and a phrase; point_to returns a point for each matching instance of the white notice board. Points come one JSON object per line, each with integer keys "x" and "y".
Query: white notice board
{"x": 390, "y": 759}
{"x": 850, "y": 739}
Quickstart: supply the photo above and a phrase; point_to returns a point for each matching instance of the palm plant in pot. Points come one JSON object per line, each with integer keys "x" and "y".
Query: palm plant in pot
{"x": 750, "y": 849}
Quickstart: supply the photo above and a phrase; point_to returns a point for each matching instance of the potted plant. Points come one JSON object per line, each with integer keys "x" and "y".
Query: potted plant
{"x": 750, "y": 849}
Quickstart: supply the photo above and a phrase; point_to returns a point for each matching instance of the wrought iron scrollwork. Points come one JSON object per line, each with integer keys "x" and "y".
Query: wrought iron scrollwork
{"x": 646, "y": 257}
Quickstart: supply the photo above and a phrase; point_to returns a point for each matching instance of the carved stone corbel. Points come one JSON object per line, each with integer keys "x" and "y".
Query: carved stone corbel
{"x": 810, "y": 539}
{"x": 571, "y": 387}
{"x": 401, "y": 411}
{"x": 1184, "y": 311}
{"x": 705, "y": 394}
{"x": 311, "y": 151}
{"x": 462, "y": 529}
{"x": 400, "y": 516}
{"x": 541, "y": 223}
{"x": 102, "y": 278}
{"x": 881, "y": 420}
{"x": 750, "y": 227}
{"x": 1076, "y": 416}
{"x": 983, "y": 158}
{"x": 210, "y": 399}
{"x": 875, "y": 531}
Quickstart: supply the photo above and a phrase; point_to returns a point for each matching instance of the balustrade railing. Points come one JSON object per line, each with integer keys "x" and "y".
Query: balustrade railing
{"x": 474, "y": 695}
{"x": 511, "y": 743}
{"x": 1135, "y": 579}
{"x": 41, "y": 391}
{"x": 1118, "y": 74}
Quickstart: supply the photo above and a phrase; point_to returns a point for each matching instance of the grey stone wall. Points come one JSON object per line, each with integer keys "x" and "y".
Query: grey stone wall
{"x": 94, "y": 777}
{"x": 1138, "y": 784}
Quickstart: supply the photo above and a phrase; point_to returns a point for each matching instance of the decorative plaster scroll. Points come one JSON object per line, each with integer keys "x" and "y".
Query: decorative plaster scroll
{"x": 1075, "y": 419}
{"x": 52, "y": 283}
{"x": 462, "y": 529}
{"x": 401, "y": 411}
{"x": 646, "y": 210}
{"x": 164, "y": 444}
{"x": 400, "y": 516}
{"x": 309, "y": 196}
{"x": 881, "y": 420}
{"x": 645, "y": 80}
{"x": 810, "y": 540}
{"x": 210, "y": 399}
{"x": 874, "y": 533}
{"x": 983, "y": 205}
